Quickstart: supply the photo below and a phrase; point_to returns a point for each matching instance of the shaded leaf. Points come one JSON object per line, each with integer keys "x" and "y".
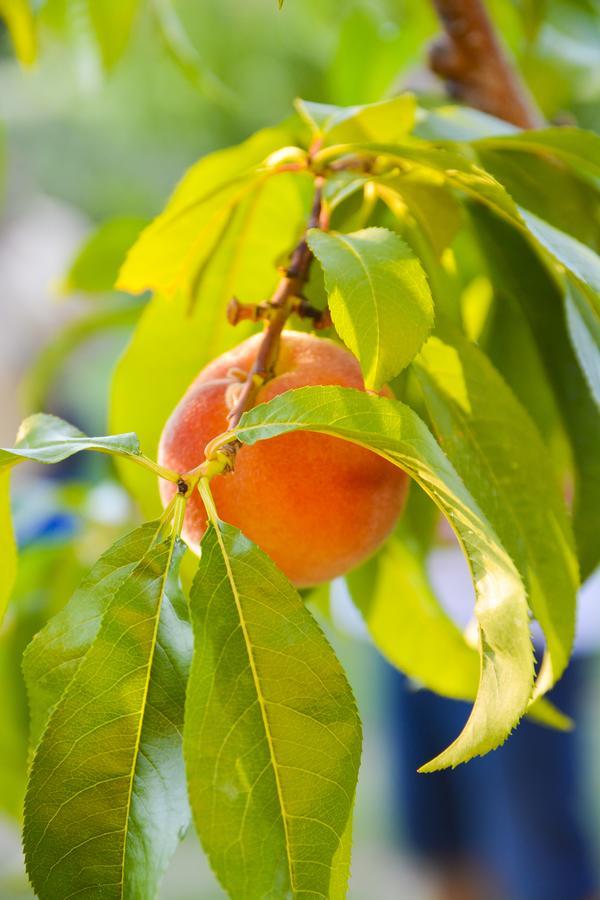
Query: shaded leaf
{"x": 575, "y": 256}
{"x": 501, "y": 458}
{"x": 56, "y": 652}
{"x": 272, "y": 737}
{"x": 518, "y": 272}
{"x": 106, "y": 801}
{"x": 584, "y": 328}
{"x": 379, "y": 298}
{"x": 395, "y": 432}
{"x": 579, "y": 148}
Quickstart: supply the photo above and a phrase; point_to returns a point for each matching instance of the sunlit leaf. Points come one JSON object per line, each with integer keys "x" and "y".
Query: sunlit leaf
{"x": 106, "y": 800}
{"x": 96, "y": 266}
{"x": 501, "y": 458}
{"x": 8, "y": 549}
{"x": 171, "y": 252}
{"x": 184, "y": 340}
{"x": 20, "y": 21}
{"x": 383, "y": 121}
{"x": 379, "y": 298}
{"x": 395, "y": 432}
{"x": 272, "y": 737}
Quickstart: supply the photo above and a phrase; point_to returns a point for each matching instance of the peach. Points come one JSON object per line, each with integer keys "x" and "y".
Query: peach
{"x": 317, "y": 505}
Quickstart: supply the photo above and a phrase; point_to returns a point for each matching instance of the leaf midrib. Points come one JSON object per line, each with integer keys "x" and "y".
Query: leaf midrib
{"x": 261, "y": 700}
{"x": 143, "y": 706}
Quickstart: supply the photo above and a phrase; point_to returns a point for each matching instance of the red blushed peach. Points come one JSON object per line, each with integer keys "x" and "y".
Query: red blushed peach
{"x": 317, "y": 505}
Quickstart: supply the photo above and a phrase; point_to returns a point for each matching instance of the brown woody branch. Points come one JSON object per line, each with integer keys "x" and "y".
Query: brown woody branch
{"x": 476, "y": 68}
{"x": 278, "y": 309}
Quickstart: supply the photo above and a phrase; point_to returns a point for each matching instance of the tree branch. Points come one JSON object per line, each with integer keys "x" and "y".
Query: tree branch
{"x": 476, "y": 68}
{"x": 280, "y": 307}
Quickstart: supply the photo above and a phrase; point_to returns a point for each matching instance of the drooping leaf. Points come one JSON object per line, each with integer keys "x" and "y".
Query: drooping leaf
{"x": 96, "y": 266}
{"x": 8, "y": 549}
{"x": 413, "y": 631}
{"x": 144, "y": 393}
{"x": 106, "y": 801}
{"x": 519, "y": 273}
{"x": 501, "y": 458}
{"x": 395, "y": 432}
{"x": 272, "y": 737}
{"x": 584, "y": 328}
{"x": 48, "y": 439}
{"x": 575, "y": 256}
{"x": 385, "y": 121}
{"x": 410, "y": 627}
{"x": 171, "y": 252}
{"x": 379, "y": 298}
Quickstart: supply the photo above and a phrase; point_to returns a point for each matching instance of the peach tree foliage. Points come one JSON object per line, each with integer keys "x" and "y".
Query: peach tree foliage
{"x": 171, "y": 690}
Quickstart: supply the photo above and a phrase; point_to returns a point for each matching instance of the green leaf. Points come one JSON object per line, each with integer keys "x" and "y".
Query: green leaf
{"x": 578, "y": 148}
{"x": 184, "y": 340}
{"x": 584, "y": 329}
{"x": 498, "y": 453}
{"x": 20, "y": 21}
{"x": 379, "y": 298}
{"x": 272, "y": 738}
{"x": 171, "y": 252}
{"x": 575, "y": 256}
{"x": 548, "y": 188}
{"x": 412, "y": 630}
{"x": 48, "y": 439}
{"x": 96, "y": 266}
{"x": 8, "y": 548}
{"x": 56, "y": 652}
{"x": 106, "y": 801}
{"x": 427, "y": 197}
{"x": 112, "y": 21}
{"x": 518, "y": 272}
{"x": 410, "y": 627}
{"x": 395, "y": 432}
{"x": 385, "y": 121}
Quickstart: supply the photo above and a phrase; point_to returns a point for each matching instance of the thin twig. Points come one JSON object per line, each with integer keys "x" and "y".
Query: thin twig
{"x": 281, "y": 305}
{"x": 476, "y": 68}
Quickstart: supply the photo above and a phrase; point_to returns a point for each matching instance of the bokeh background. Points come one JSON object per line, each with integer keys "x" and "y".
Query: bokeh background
{"x": 94, "y": 135}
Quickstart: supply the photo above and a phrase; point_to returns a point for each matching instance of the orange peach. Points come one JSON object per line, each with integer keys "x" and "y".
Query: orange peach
{"x": 317, "y": 505}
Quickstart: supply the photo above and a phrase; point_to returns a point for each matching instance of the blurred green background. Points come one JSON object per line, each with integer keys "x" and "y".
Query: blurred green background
{"x": 102, "y": 126}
